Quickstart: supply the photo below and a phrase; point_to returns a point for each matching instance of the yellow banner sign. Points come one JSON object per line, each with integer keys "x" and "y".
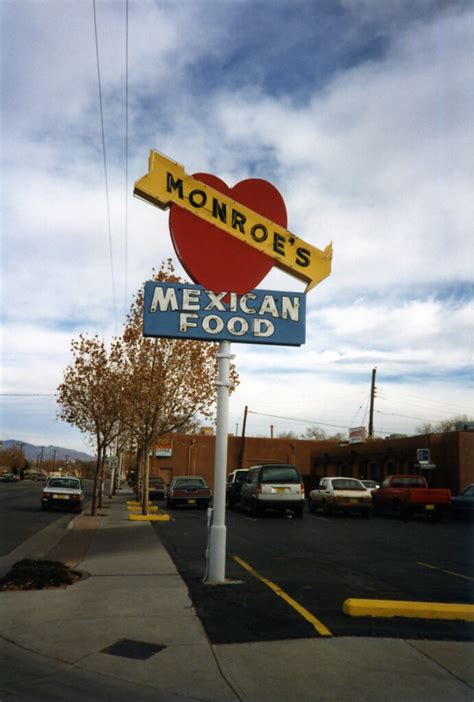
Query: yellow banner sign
{"x": 167, "y": 182}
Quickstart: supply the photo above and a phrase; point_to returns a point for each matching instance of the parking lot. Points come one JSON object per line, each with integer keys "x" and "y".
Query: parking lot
{"x": 288, "y": 578}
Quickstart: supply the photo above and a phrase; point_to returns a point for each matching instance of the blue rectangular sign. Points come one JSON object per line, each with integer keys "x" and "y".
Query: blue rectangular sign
{"x": 182, "y": 311}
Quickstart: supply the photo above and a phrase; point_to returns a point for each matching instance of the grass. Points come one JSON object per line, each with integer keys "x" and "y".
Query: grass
{"x": 30, "y": 574}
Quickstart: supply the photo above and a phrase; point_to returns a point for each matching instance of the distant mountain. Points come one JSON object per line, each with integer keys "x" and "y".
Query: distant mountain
{"x": 50, "y": 453}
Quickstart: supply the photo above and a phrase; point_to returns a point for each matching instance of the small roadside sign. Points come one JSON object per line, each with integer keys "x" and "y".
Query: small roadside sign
{"x": 423, "y": 455}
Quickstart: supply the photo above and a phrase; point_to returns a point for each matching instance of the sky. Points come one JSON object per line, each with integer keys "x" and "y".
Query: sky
{"x": 360, "y": 112}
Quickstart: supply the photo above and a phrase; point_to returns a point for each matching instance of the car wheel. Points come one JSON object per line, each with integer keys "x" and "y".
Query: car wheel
{"x": 44, "y": 507}
{"x": 326, "y": 508}
{"x": 311, "y": 506}
{"x": 299, "y": 512}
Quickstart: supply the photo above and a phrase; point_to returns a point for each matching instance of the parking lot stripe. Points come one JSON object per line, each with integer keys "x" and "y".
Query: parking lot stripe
{"x": 319, "y": 626}
{"x": 416, "y": 610}
{"x": 450, "y": 572}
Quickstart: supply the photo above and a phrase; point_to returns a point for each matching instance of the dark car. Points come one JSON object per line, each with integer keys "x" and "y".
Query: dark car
{"x": 9, "y": 478}
{"x": 156, "y": 488}
{"x": 463, "y": 505}
{"x": 234, "y": 487}
{"x": 188, "y": 490}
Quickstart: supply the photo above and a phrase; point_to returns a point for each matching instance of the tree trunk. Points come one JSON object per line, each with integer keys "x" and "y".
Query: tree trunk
{"x": 96, "y": 479}
{"x": 138, "y": 463}
{"x": 146, "y": 476}
{"x": 101, "y": 477}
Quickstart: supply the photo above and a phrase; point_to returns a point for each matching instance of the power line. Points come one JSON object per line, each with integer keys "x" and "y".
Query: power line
{"x": 425, "y": 402}
{"x": 294, "y": 419}
{"x": 105, "y": 166}
{"x": 126, "y": 155}
{"x": 408, "y": 416}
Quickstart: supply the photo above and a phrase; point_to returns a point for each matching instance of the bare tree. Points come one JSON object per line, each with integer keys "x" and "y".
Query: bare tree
{"x": 444, "y": 424}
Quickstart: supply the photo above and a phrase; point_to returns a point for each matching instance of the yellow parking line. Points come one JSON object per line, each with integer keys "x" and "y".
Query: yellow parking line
{"x": 319, "y": 626}
{"x": 449, "y": 572}
{"x": 416, "y": 610}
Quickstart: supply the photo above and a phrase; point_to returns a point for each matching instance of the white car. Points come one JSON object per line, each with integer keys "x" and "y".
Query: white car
{"x": 65, "y": 492}
{"x": 277, "y": 486}
{"x": 341, "y": 494}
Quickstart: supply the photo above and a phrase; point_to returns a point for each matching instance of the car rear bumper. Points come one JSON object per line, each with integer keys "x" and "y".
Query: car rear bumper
{"x": 189, "y": 500}
{"x": 271, "y": 503}
{"x": 62, "y": 503}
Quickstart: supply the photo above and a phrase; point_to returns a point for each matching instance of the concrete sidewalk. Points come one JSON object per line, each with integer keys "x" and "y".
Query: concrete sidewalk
{"x": 56, "y": 643}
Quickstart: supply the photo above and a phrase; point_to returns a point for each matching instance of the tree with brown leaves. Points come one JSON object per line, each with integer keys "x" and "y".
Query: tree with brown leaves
{"x": 166, "y": 382}
{"x": 90, "y": 398}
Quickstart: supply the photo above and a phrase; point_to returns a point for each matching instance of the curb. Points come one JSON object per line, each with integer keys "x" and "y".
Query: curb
{"x": 417, "y": 610}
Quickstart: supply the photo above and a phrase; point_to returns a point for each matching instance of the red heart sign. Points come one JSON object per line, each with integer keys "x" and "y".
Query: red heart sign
{"x": 214, "y": 259}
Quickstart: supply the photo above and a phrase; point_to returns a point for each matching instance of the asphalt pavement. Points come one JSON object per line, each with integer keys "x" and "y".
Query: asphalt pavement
{"x": 128, "y": 630}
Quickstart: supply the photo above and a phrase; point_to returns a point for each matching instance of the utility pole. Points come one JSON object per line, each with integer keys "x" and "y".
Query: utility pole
{"x": 271, "y": 431}
{"x": 372, "y": 397}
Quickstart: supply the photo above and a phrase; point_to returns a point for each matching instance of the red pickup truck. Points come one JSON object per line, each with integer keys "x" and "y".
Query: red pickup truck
{"x": 410, "y": 495}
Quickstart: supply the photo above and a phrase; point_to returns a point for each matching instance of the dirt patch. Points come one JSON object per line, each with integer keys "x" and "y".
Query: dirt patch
{"x": 29, "y": 574}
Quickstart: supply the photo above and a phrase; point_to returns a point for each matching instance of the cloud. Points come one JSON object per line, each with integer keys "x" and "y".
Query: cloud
{"x": 359, "y": 112}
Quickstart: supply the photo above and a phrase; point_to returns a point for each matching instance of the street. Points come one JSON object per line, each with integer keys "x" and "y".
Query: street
{"x": 21, "y": 515}
{"x": 317, "y": 563}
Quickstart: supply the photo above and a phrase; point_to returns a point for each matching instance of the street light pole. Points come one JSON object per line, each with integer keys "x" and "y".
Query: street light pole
{"x": 217, "y": 531}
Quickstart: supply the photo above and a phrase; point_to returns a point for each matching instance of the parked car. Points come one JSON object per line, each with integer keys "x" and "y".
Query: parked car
{"x": 66, "y": 493}
{"x": 277, "y": 486}
{"x": 156, "y": 488}
{"x": 188, "y": 490}
{"x": 409, "y": 495}
{"x": 234, "y": 487}
{"x": 371, "y": 485}
{"x": 9, "y": 478}
{"x": 463, "y": 505}
{"x": 340, "y": 494}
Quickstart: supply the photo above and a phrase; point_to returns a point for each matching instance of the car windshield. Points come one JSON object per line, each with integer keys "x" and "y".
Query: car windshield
{"x": 469, "y": 492}
{"x": 369, "y": 483}
{"x": 190, "y": 482}
{"x": 64, "y": 483}
{"x": 347, "y": 484}
{"x": 157, "y": 481}
{"x": 280, "y": 474}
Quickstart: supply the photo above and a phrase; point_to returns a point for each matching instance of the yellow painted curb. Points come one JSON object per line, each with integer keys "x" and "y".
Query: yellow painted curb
{"x": 137, "y": 504}
{"x": 149, "y": 517}
{"x": 419, "y": 610}
{"x": 151, "y": 508}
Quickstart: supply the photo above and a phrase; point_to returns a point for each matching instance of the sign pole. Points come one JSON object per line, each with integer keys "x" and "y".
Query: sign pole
{"x": 217, "y": 532}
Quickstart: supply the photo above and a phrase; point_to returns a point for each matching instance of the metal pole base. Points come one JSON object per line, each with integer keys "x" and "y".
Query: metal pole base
{"x": 217, "y": 543}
